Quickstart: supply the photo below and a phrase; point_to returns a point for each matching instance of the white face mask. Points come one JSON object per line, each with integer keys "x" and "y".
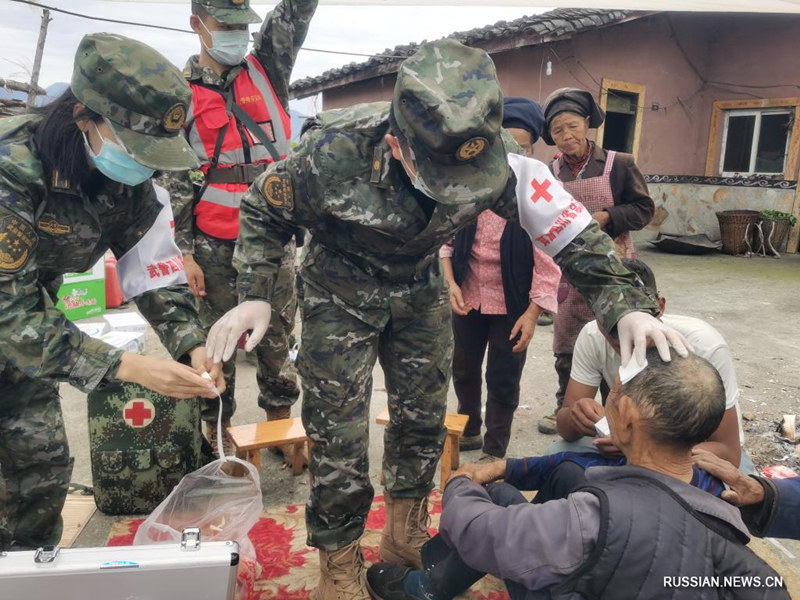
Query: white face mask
{"x": 418, "y": 183}
{"x": 227, "y": 47}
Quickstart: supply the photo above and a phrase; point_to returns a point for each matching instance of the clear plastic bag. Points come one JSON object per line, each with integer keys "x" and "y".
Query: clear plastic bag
{"x": 223, "y": 499}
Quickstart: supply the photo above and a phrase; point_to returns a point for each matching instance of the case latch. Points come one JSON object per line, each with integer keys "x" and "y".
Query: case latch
{"x": 190, "y": 539}
{"x": 46, "y": 554}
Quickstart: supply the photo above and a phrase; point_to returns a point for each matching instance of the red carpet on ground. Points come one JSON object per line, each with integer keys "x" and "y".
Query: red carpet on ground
{"x": 288, "y": 569}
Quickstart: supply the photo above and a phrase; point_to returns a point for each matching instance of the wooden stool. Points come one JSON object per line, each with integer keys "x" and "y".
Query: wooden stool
{"x": 451, "y": 458}
{"x": 250, "y": 439}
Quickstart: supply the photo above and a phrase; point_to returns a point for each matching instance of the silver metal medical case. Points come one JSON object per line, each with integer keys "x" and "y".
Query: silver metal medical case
{"x": 191, "y": 570}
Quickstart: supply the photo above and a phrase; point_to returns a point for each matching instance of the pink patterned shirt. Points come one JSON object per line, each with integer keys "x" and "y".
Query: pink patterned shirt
{"x": 483, "y": 283}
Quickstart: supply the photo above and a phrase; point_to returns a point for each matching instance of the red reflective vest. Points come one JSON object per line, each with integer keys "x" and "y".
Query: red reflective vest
{"x": 217, "y": 211}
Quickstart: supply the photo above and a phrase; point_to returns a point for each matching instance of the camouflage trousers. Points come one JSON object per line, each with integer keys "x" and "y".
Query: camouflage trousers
{"x": 277, "y": 385}
{"x": 35, "y": 466}
{"x": 336, "y": 360}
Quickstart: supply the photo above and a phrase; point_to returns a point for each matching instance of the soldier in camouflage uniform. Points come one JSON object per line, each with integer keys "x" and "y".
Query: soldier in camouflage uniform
{"x": 381, "y": 187}
{"x": 207, "y": 226}
{"x": 74, "y": 182}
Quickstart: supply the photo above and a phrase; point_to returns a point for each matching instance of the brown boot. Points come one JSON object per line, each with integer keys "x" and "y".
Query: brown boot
{"x": 287, "y": 450}
{"x": 211, "y": 436}
{"x": 342, "y": 574}
{"x": 406, "y": 531}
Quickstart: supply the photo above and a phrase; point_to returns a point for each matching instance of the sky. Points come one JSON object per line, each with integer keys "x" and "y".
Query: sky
{"x": 364, "y": 29}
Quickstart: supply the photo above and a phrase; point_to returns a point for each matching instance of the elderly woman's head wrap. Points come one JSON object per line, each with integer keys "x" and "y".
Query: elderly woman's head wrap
{"x": 573, "y": 100}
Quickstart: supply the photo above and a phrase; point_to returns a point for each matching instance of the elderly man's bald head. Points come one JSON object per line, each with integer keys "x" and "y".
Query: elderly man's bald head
{"x": 681, "y": 402}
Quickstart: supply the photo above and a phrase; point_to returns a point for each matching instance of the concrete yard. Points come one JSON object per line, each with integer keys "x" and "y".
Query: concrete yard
{"x": 752, "y": 301}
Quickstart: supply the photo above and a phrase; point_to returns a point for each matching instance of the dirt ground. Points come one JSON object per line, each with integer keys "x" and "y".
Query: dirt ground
{"x": 752, "y": 301}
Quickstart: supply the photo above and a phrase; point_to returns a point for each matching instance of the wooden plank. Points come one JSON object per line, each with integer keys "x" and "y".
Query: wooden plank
{"x": 794, "y": 236}
{"x": 793, "y": 156}
{"x": 456, "y": 423}
{"x": 77, "y": 511}
{"x": 446, "y": 463}
{"x": 766, "y": 103}
{"x": 452, "y": 439}
{"x": 713, "y": 140}
{"x": 268, "y": 433}
{"x": 254, "y": 458}
{"x": 623, "y": 86}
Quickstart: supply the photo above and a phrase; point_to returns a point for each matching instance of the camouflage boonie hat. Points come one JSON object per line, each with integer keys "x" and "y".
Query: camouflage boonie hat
{"x": 448, "y": 105}
{"x": 230, "y": 12}
{"x": 143, "y": 97}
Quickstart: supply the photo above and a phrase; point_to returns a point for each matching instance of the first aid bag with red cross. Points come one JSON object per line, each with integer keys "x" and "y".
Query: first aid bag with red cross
{"x": 141, "y": 445}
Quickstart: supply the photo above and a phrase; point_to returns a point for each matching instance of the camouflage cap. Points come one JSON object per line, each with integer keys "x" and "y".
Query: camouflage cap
{"x": 449, "y": 107}
{"x": 230, "y": 12}
{"x": 143, "y": 97}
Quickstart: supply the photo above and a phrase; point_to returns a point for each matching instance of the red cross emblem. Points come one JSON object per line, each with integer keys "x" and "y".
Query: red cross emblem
{"x": 139, "y": 413}
{"x": 540, "y": 191}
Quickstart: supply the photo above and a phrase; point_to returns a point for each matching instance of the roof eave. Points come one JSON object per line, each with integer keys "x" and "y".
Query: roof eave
{"x": 492, "y": 46}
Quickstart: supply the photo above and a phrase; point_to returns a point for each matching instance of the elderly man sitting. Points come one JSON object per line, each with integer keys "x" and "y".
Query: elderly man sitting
{"x": 596, "y": 360}
{"x": 629, "y": 533}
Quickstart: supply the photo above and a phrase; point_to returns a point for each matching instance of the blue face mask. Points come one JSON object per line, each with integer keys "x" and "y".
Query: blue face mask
{"x": 115, "y": 163}
{"x": 228, "y": 47}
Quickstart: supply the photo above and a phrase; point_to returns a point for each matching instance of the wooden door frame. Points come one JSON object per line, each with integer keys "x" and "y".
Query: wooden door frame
{"x": 623, "y": 86}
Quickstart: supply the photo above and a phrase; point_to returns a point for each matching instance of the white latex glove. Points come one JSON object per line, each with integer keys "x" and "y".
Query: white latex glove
{"x": 634, "y": 329}
{"x": 223, "y": 338}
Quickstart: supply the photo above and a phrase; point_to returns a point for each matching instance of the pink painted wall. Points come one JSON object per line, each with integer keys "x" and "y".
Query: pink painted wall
{"x": 757, "y": 50}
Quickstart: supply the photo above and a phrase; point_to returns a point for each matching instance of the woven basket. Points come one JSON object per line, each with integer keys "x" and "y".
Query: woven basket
{"x": 736, "y": 228}
{"x": 774, "y": 234}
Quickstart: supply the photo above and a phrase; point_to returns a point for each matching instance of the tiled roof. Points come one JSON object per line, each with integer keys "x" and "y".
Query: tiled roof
{"x": 554, "y": 24}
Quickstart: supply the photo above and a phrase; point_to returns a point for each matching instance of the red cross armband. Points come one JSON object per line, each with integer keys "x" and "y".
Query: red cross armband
{"x": 547, "y": 212}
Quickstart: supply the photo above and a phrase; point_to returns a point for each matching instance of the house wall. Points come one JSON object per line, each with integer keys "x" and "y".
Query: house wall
{"x": 371, "y": 90}
{"x": 686, "y": 63}
{"x": 757, "y": 50}
{"x": 689, "y": 208}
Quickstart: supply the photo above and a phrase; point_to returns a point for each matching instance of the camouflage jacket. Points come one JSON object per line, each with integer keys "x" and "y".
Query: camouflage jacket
{"x": 276, "y": 46}
{"x": 371, "y": 238}
{"x": 49, "y": 227}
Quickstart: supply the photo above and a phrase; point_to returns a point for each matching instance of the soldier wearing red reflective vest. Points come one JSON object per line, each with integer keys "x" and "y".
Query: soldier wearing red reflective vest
{"x": 238, "y": 124}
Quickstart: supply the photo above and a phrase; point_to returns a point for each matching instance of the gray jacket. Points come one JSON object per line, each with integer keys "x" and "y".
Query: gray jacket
{"x": 541, "y": 545}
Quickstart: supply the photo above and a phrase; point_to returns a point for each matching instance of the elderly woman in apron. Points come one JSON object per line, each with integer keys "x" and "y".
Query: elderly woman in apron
{"x": 610, "y": 186}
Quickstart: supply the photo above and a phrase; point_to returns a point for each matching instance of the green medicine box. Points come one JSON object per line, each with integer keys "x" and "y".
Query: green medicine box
{"x": 83, "y": 295}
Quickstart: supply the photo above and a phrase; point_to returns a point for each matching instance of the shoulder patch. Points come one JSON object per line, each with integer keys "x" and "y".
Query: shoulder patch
{"x": 17, "y": 241}
{"x": 278, "y": 191}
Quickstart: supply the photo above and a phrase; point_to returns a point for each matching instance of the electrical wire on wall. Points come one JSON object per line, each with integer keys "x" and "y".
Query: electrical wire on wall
{"x": 175, "y": 29}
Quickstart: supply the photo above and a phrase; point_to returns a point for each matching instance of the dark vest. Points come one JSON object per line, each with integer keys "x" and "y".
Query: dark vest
{"x": 649, "y": 532}
{"x": 516, "y": 264}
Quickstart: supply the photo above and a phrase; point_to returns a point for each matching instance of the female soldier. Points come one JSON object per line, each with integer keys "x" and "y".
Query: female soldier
{"x": 610, "y": 185}
{"x": 74, "y": 182}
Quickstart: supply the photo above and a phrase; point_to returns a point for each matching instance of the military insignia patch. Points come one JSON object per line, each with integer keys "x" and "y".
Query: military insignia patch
{"x": 377, "y": 165}
{"x": 138, "y": 413}
{"x": 471, "y": 149}
{"x": 175, "y": 118}
{"x": 278, "y": 191}
{"x": 53, "y": 227}
{"x": 60, "y": 183}
{"x": 17, "y": 240}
